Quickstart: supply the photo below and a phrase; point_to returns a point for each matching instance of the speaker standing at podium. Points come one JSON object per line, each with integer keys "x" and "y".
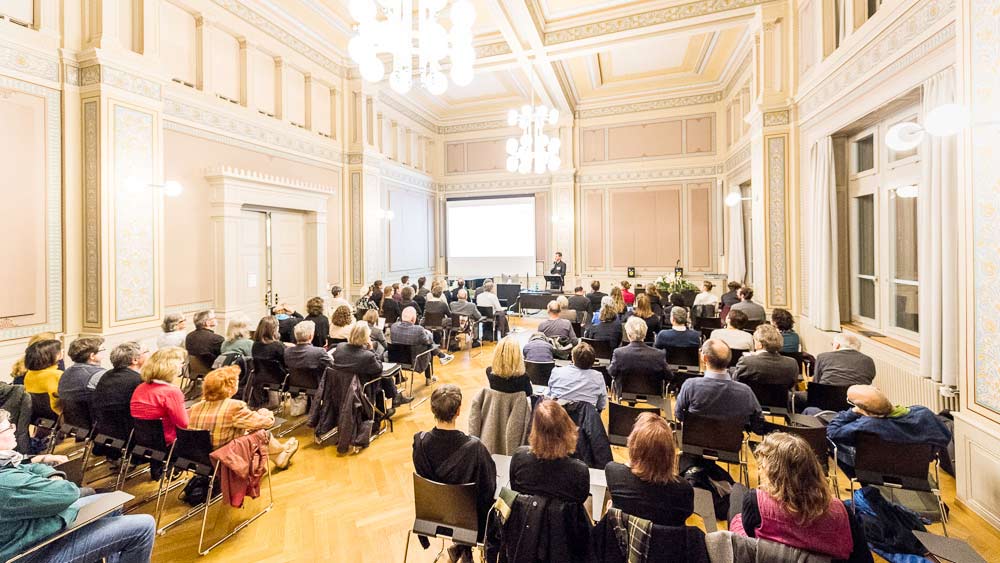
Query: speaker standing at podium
{"x": 558, "y": 269}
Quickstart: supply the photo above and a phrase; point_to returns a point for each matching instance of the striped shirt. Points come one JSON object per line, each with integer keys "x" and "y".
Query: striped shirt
{"x": 227, "y": 419}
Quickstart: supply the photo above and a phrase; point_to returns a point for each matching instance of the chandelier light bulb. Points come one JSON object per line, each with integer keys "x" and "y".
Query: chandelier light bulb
{"x": 463, "y": 14}
{"x": 400, "y": 81}
{"x": 946, "y": 120}
{"x": 904, "y": 136}
{"x": 554, "y": 145}
{"x": 173, "y": 188}
{"x": 554, "y": 163}
{"x": 361, "y": 10}
{"x": 511, "y": 164}
{"x": 512, "y": 117}
{"x": 526, "y": 110}
{"x": 372, "y": 70}
{"x": 434, "y": 5}
{"x": 553, "y": 116}
{"x": 461, "y": 75}
{"x": 358, "y": 49}
{"x": 512, "y": 146}
{"x": 437, "y": 84}
{"x": 733, "y": 199}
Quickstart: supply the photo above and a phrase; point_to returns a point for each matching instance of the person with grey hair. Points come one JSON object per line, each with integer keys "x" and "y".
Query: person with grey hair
{"x": 716, "y": 394}
{"x": 637, "y": 359}
{"x": 115, "y": 389}
{"x": 80, "y": 379}
{"x": 845, "y": 365}
{"x": 337, "y": 299}
{"x": 304, "y": 356}
{"x": 767, "y": 365}
{"x": 679, "y": 335}
{"x": 462, "y": 306}
{"x": 488, "y": 298}
{"x": 238, "y": 337}
{"x": 556, "y": 326}
{"x": 202, "y": 341}
{"x": 406, "y": 331}
{"x": 173, "y": 331}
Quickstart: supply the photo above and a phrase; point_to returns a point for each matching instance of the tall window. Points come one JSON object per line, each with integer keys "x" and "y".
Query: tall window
{"x": 882, "y": 236}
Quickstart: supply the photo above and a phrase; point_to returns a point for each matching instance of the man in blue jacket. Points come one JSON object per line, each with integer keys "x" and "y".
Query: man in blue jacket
{"x": 873, "y": 413}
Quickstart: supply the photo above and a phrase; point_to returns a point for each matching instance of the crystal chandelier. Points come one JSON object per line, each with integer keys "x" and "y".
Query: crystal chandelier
{"x": 533, "y": 150}
{"x": 394, "y": 33}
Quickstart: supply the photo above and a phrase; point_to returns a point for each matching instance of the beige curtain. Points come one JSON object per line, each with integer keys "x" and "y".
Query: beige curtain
{"x": 824, "y": 307}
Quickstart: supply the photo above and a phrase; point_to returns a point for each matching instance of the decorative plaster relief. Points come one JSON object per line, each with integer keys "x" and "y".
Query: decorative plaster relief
{"x": 772, "y": 118}
{"x": 92, "y": 212}
{"x": 135, "y": 215}
{"x": 776, "y": 233}
{"x": 744, "y": 66}
{"x": 646, "y": 19}
{"x": 492, "y": 50}
{"x": 466, "y": 127}
{"x": 356, "y": 228}
{"x": 19, "y": 59}
{"x": 104, "y": 74}
{"x": 631, "y": 176}
{"x": 393, "y": 103}
{"x": 53, "y": 210}
{"x": 233, "y": 142}
{"x": 666, "y": 103}
{"x": 739, "y": 157}
{"x": 231, "y": 173}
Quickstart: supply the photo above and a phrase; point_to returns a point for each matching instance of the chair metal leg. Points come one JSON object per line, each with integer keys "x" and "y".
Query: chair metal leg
{"x": 244, "y": 524}
{"x": 406, "y": 552}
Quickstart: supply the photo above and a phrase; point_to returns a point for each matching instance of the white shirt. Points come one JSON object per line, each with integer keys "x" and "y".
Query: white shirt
{"x": 336, "y": 302}
{"x": 175, "y": 338}
{"x": 736, "y": 339}
{"x": 488, "y": 298}
{"x": 706, "y": 298}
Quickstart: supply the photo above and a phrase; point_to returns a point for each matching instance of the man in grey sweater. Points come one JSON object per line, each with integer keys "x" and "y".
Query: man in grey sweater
{"x": 845, "y": 365}
{"x": 555, "y": 326}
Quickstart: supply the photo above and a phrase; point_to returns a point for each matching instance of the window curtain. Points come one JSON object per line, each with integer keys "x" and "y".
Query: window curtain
{"x": 937, "y": 243}
{"x": 736, "y": 263}
{"x": 824, "y": 297}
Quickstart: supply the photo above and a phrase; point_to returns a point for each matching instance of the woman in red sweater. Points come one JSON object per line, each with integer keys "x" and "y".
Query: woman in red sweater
{"x": 157, "y": 398}
{"x": 627, "y": 295}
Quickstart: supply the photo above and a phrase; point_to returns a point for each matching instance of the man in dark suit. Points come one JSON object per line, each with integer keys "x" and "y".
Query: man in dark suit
{"x": 203, "y": 341}
{"x": 637, "y": 359}
{"x": 459, "y": 286}
{"x": 767, "y": 365}
{"x": 558, "y": 269}
{"x": 305, "y": 356}
{"x": 579, "y": 302}
{"x": 595, "y": 296}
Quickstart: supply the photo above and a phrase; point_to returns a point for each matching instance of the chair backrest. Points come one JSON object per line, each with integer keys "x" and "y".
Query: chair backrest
{"x": 268, "y": 373}
{"x": 433, "y": 320}
{"x": 300, "y": 380}
{"x": 401, "y": 354}
{"x": 602, "y": 348}
{"x": 485, "y": 310}
{"x": 815, "y": 436}
{"x": 621, "y": 419}
{"x": 76, "y": 419}
{"x": 751, "y": 326}
{"x": 704, "y": 312}
{"x": 734, "y": 356}
{"x": 772, "y": 397}
{"x": 827, "y": 397}
{"x": 460, "y": 323}
{"x": 539, "y": 372}
{"x": 112, "y": 425}
{"x": 713, "y": 438}
{"x": 642, "y": 384}
{"x": 199, "y": 365}
{"x": 41, "y": 409}
{"x": 878, "y": 462}
{"x": 192, "y": 450}
{"x": 445, "y": 510}
{"x": 148, "y": 440}
{"x": 677, "y": 381}
{"x": 331, "y": 343}
{"x": 684, "y": 357}
{"x": 577, "y": 328}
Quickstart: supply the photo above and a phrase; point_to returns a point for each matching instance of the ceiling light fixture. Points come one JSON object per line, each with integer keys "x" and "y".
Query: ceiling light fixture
{"x": 942, "y": 121}
{"x": 386, "y": 26}
{"x": 533, "y": 149}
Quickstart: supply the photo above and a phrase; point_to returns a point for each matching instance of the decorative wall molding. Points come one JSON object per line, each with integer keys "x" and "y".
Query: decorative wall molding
{"x": 281, "y": 34}
{"x": 737, "y": 158}
{"x": 92, "y": 213}
{"x": 515, "y": 183}
{"x": 233, "y": 142}
{"x": 111, "y": 76}
{"x": 71, "y": 74}
{"x": 53, "y": 212}
{"x": 398, "y": 174}
{"x": 870, "y": 59}
{"x": 646, "y": 19}
{"x": 666, "y": 103}
{"x": 467, "y": 127}
{"x": 493, "y": 50}
{"x": 393, "y": 103}
{"x": 744, "y": 65}
{"x": 357, "y": 235}
{"x": 777, "y": 244}
{"x": 186, "y": 308}
{"x": 633, "y": 176}
{"x": 772, "y": 118}
{"x": 233, "y": 173}
{"x": 174, "y": 108}
{"x": 355, "y": 158}
{"x": 31, "y": 63}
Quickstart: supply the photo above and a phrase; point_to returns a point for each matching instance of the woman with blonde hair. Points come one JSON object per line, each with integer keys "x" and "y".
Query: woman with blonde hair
{"x": 379, "y": 344}
{"x": 157, "y": 398}
{"x": 507, "y": 372}
{"x": 238, "y": 337}
{"x": 644, "y": 311}
{"x": 314, "y": 313}
{"x": 627, "y": 295}
{"x": 341, "y": 322}
{"x": 793, "y": 504}
{"x": 648, "y": 486}
{"x": 227, "y": 419}
{"x": 618, "y": 301}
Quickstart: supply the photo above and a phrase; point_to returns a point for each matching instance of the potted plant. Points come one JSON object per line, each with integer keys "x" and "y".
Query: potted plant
{"x": 670, "y": 284}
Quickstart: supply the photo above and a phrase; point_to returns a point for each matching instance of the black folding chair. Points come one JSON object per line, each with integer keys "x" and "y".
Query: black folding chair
{"x": 331, "y": 343}
{"x": 44, "y": 419}
{"x": 112, "y": 433}
{"x": 751, "y": 326}
{"x": 897, "y": 466}
{"x": 815, "y": 436}
{"x": 434, "y": 322}
{"x": 735, "y": 355}
{"x": 405, "y": 356}
{"x": 268, "y": 375}
{"x": 76, "y": 422}
{"x": 198, "y": 367}
{"x": 380, "y": 405}
{"x": 715, "y": 439}
{"x": 487, "y": 322}
{"x": 797, "y": 356}
{"x": 302, "y": 382}
{"x": 602, "y": 348}
{"x": 149, "y": 446}
{"x": 827, "y": 397}
{"x": 775, "y": 398}
{"x": 446, "y": 512}
{"x": 706, "y": 325}
{"x": 686, "y": 358}
{"x": 621, "y": 419}
{"x": 539, "y": 372}
{"x": 678, "y": 379}
{"x": 634, "y": 388}
{"x": 577, "y": 328}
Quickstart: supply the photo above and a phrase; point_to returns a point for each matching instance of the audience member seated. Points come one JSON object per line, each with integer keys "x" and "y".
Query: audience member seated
{"x": 267, "y": 344}
{"x": 845, "y": 365}
{"x": 733, "y": 335}
{"x": 18, "y": 371}
{"x": 437, "y": 304}
{"x": 379, "y": 344}
{"x": 767, "y": 365}
{"x": 627, "y": 295}
{"x": 555, "y": 326}
{"x": 578, "y": 381}
{"x": 644, "y": 311}
{"x": 488, "y": 298}
{"x": 365, "y": 303}
{"x": 460, "y": 305}
{"x": 358, "y": 356}
{"x": 173, "y": 331}
{"x": 732, "y": 296}
{"x": 564, "y": 311}
{"x": 595, "y": 296}
{"x": 606, "y": 301}
{"x": 716, "y": 395}
{"x": 377, "y": 293}
{"x": 448, "y": 455}
{"x": 637, "y": 359}
{"x": 390, "y": 308}
{"x": 202, "y": 341}
{"x": 407, "y": 332}
{"x": 618, "y": 301}
{"x": 678, "y": 335}
{"x": 16, "y": 401}
{"x": 116, "y": 387}
{"x": 238, "y": 337}
{"x": 459, "y": 286}
{"x": 422, "y": 290}
{"x": 753, "y": 311}
{"x": 79, "y": 380}
{"x": 579, "y": 302}
{"x": 396, "y": 295}
{"x": 793, "y": 504}
{"x": 304, "y": 356}
{"x": 706, "y": 297}
{"x": 42, "y": 362}
{"x": 783, "y": 321}
{"x": 39, "y": 502}
{"x": 647, "y": 485}
{"x": 315, "y": 313}
{"x": 608, "y": 327}
{"x": 341, "y": 323}
{"x": 337, "y": 300}
{"x": 404, "y": 281}
{"x": 406, "y": 299}
{"x": 873, "y": 413}
{"x": 156, "y": 398}
{"x": 227, "y": 419}
{"x": 287, "y": 319}
{"x": 507, "y": 372}
{"x": 440, "y": 295}
{"x": 655, "y": 303}
{"x": 538, "y": 349}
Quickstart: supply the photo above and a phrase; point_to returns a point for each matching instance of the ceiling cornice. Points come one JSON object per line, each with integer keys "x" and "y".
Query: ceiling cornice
{"x": 664, "y": 103}
{"x": 388, "y": 100}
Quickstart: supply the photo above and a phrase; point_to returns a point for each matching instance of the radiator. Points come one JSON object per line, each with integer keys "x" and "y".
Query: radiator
{"x": 905, "y": 387}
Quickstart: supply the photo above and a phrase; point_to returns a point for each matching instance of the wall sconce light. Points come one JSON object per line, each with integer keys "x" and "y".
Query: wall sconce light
{"x": 383, "y": 214}
{"x": 906, "y": 192}
{"x": 734, "y": 198}
{"x": 942, "y": 121}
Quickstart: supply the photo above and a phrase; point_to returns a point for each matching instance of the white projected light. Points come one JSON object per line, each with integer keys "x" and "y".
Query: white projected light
{"x": 511, "y": 250}
{"x": 386, "y": 26}
{"x": 533, "y": 150}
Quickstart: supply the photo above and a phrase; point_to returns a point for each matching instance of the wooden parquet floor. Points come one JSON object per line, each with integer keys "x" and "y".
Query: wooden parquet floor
{"x": 329, "y": 507}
